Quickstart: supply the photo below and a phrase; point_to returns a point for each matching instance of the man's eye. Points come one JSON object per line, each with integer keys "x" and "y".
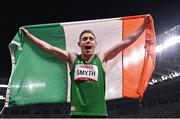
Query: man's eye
{"x": 91, "y": 38}
{"x": 85, "y": 38}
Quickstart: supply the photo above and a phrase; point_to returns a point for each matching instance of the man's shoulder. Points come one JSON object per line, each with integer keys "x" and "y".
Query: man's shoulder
{"x": 72, "y": 56}
{"x": 100, "y": 55}
{"x": 72, "y": 53}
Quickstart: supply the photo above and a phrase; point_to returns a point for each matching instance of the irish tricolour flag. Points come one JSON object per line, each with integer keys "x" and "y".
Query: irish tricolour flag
{"x": 38, "y": 77}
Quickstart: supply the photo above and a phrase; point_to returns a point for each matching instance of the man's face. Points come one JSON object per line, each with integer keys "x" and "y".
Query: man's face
{"x": 87, "y": 43}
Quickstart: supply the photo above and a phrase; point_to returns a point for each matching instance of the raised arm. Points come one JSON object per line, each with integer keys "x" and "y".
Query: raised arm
{"x": 59, "y": 53}
{"x": 113, "y": 51}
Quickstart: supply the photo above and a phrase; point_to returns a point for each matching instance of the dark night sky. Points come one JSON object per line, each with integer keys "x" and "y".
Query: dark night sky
{"x": 13, "y": 15}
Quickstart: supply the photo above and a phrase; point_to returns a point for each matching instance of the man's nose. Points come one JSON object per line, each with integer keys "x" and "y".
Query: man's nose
{"x": 88, "y": 40}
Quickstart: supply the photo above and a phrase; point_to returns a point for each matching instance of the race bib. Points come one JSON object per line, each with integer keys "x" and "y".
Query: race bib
{"x": 86, "y": 72}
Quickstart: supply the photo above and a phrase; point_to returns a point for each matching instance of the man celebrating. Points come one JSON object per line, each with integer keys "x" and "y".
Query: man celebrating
{"x": 88, "y": 69}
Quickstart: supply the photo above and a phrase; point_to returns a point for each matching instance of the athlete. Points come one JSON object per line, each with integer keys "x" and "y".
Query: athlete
{"x": 88, "y": 69}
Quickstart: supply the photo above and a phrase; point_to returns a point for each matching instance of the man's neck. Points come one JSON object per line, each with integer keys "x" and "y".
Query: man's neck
{"x": 87, "y": 57}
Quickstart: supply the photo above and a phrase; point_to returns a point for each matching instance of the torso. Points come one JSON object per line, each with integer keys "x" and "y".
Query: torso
{"x": 88, "y": 87}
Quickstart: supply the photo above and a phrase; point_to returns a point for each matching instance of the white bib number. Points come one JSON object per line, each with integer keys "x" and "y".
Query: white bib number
{"x": 86, "y": 72}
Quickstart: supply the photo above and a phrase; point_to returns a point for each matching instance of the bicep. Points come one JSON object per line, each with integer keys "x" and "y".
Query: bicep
{"x": 60, "y": 54}
{"x": 116, "y": 49}
{"x": 113, "y": 51}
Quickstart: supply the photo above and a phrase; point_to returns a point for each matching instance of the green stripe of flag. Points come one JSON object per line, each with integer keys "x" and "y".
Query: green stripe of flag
{"x": 38, "y": 77}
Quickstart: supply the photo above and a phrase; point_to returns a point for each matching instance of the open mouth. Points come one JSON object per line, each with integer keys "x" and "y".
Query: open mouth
{"x": 87, "y": 47}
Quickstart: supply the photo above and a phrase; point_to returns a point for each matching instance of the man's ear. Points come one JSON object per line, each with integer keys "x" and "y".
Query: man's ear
{"x": 78, "y": 43}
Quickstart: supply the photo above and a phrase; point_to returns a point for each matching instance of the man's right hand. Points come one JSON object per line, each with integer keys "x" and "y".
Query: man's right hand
{"x": 23, "y": 30}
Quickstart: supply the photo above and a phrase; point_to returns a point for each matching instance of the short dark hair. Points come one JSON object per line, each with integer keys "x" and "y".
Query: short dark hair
{"x": 86, "y": 31}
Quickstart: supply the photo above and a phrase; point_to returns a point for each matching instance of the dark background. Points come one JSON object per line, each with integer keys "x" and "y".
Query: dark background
{"x": 161, "y": 99}
{"x": 14, "y": 14}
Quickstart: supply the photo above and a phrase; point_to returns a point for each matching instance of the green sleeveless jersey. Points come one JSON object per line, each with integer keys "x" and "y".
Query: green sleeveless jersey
{"x": 88, "y": 88}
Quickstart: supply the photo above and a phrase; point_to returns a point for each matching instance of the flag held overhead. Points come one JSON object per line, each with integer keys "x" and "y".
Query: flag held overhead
{"x": 39, "y": 77}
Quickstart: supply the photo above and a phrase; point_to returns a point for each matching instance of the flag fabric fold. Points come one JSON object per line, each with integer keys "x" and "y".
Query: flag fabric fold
{"x": 39, "y": 77}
